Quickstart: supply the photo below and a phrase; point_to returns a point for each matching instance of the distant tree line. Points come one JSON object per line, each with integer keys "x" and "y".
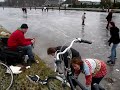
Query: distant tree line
{"x": 85, "y": 5}
{"x": 94, "y": 5}
{"x": 108, "y": 3}
{"x": 38, "y": 3}
{"x": 24, "y": 3}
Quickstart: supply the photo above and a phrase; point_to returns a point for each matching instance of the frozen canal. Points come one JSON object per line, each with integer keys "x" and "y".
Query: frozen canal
{"x": 55, "y": 28}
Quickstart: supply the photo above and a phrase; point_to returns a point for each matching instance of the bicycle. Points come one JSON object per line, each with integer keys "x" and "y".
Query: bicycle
{"x": 9, "y": 57}
{"x": 6, "y": 79}
{"x": 6, "y": 54}
{"x": 60, "y": 81}
{"x": 6, "y": 74}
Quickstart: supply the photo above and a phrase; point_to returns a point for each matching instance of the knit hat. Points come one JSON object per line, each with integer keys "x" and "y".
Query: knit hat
{"x": 24, "y": 26}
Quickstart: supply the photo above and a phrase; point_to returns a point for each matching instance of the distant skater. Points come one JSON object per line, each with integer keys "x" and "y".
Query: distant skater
{"x": 83, "y": 19}
{"x": 45, "y": 9}
{"x": 3, "y": 7}
{"x": 52, "y": 8}
{"x": 59, "y": 8}
{"x": 115, "y": 40}
{"x": 42, "y": 9}
{"x": 30, "y": 8}
{"x": 109, "y": 18}
{"x": 35, "y": 8}
{"x": 24, "y": 10}
{"x": 65, "y": 7}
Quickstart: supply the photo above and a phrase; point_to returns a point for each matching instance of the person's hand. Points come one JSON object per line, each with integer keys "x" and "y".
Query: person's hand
{"x": 88, "y": 87}
{"x": 33, "y": 40}
{"x": 76, "y": 76}
{"x": 109, "y": 43}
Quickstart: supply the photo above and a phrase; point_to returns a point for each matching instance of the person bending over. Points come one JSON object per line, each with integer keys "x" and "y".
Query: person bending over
{"x": 93, "y": 69}
{"x": 52, "y": 50}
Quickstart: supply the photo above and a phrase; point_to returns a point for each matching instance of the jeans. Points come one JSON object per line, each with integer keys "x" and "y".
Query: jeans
{"x": 108, "y": 24}
{"x": 96, "y": 80}
{"x": 28, "y": 51}
{"x": 83, "y": 22}
{"x": 113, "y": 52}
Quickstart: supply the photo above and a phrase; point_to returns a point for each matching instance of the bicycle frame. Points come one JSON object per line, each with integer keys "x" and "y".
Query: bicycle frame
{"x": 65, "y": 76}
{"x": 70, "y": 78}
{"x": 11, "y": 73}
{"x": 69, "y": 75}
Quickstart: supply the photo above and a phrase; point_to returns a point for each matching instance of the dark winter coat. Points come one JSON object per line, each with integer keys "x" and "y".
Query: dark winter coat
{"x": 109, "y": 16}
{"x": 64, "y": 56}
{"x": 114, "y": 32}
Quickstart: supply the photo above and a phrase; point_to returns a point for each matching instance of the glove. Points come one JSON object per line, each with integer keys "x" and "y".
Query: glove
{"x": 109, "y": 43}
{"x": 76, "y": 76}
{"x": 88, "y": 87}
{"x": 33, "y": 41}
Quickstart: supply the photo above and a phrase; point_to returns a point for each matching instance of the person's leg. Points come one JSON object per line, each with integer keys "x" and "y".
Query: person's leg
{"x": 28, "y": 50}
{"x": 73, "y": 71}
{"x": 66, "y": 63}
{"x": 73, "y": 82}
{"x": 108, "y": 24}
{"x": 95, "y": 80}
{"x": 83, "y": 22}
{"x": 113, "y": 52}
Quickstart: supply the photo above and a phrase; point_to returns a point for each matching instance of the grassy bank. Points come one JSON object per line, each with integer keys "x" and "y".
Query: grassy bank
{"x": 22, "y": 83}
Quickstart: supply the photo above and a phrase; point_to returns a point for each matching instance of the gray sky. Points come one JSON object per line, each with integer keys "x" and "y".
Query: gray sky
{"x": 80, "y": 0}
{"x": 1, "y": 0}
{"x": 91, "y": 0}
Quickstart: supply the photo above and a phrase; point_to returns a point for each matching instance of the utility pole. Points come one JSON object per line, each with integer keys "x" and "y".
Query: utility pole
{"x": 71, "y": 3}
{"x": 114, "y": 3}
{"x": 17, "y": 3}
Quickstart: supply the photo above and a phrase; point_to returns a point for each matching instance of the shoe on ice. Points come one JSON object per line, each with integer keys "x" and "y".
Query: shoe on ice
{"x": 110, "y": 62}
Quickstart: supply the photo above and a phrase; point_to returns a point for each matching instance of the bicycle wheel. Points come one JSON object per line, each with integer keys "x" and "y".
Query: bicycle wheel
{"x": 55, "y": 84}
{"x": 6, "y": 79}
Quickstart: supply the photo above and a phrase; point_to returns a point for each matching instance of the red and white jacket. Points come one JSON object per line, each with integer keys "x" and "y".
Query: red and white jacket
{"x": 93, "y": 68}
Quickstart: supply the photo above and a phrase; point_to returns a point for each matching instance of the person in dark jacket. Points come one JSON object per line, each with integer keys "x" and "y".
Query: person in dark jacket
{"x": 17, "y": 39}
{"x": 109, "y": 18}
{"x": 24, "y": 10}
{"x": 52, "y": 50}
{"x": 114, "y": 32}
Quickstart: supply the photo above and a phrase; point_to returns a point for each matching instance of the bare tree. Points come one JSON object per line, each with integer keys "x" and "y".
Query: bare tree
{"x": 25, "y": 3}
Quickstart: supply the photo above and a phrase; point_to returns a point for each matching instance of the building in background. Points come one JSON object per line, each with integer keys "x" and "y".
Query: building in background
{"x": 70, "y": 3}
{"x": 111, "y": 3}
{"x": 24, "y": 3}
{"x": 32, "y": 3}
{"x": 78, "y": 3}
{"x": 115, "y": 1}
{"x": 53, "y": 2}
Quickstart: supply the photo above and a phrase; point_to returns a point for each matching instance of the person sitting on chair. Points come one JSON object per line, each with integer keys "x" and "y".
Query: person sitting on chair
{"x": 17, "y": 39}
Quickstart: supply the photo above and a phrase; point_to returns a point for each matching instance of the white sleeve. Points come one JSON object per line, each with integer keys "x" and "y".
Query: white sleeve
{"x": 86, "y": 70}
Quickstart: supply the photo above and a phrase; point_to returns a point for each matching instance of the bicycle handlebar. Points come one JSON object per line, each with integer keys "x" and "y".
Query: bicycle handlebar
{"x": 68, "y": 48}
{"x": 85, "y": 41}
